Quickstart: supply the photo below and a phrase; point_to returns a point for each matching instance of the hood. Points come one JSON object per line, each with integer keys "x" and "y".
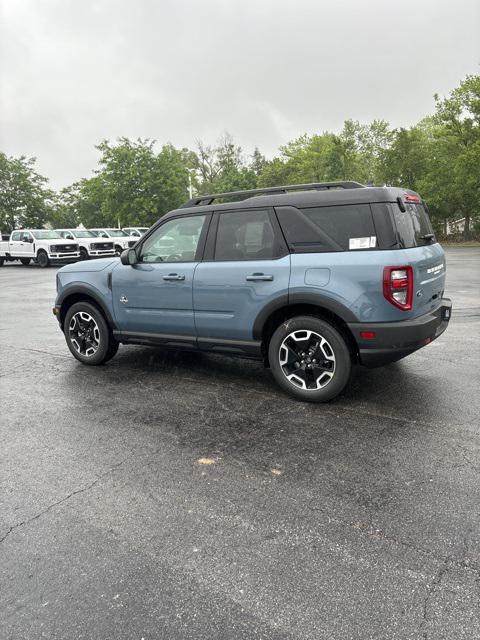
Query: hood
{"x": 89, "y": 265}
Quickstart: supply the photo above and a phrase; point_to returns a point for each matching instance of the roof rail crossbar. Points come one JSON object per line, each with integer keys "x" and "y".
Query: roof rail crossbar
{"x": 243, "y": 195}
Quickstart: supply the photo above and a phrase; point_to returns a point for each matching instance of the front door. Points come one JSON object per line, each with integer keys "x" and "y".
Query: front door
{"x": 248, "y": 269}
{"x": 152, "y": 299}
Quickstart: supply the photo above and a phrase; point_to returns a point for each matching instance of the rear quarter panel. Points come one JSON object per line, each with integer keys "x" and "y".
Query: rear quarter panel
{"x": 354, "y": 279}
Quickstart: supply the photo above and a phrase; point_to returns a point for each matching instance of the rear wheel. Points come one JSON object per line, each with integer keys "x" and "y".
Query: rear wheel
{"x": 2, "y": 260}
{"x": 25, "y": 261}
{"x": 309, "y": 359}
{"x": 88, "y": 335}
{"x": 43, "y": 259}
{"x": 83, "y": 253}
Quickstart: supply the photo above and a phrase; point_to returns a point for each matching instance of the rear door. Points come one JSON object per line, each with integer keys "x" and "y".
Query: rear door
{"x": 415, "y": 235}
{"x": 246, "y": 266}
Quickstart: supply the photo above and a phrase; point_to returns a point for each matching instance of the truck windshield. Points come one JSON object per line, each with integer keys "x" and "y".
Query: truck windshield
{"x": 83, "y": 234}
{"x": 115, "y": 233}
{"x": 45, "y": 235}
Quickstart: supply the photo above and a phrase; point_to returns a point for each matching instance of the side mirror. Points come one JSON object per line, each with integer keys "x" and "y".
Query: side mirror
{"x": 128, "y": 257}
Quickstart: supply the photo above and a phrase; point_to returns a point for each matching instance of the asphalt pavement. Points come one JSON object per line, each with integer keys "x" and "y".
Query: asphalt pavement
{"x": 184, "y": 496}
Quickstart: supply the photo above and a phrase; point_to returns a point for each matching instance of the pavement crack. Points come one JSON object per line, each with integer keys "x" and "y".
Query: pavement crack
{"x": 431, "y": 589}
{"x": 76, "y": 492}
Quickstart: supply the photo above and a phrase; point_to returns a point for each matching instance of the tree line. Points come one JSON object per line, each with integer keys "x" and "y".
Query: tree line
{"x": 135, "y": 183}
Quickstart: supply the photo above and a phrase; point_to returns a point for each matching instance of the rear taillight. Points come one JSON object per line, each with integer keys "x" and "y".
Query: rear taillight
{"x": 398, "y": 286}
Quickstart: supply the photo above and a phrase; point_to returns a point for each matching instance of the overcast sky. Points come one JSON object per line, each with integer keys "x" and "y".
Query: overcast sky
{"x": 73, "y": 72}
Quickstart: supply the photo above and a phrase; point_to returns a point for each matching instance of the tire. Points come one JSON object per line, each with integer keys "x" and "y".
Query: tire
{"x": 25, "y": 261}
{"x": 83, "y": 254}
{"x": 43, "y": 259}
{"x": 118, "y": 250}
{"x": 87, "y": 334}
{"x": 292, "y": 351}
{"x": 2, "y": 260}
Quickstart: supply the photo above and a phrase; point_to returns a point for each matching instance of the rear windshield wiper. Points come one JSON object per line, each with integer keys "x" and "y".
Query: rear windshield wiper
{"x": 428, "y": 237}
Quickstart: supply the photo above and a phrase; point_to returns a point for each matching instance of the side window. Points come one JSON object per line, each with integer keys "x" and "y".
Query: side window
{"x": 320, "y": 229}
{"x": 16, "y": 236}
{"x": 246, "y": 235}
{"x": 175, "y": 241}
{"x": 26, "y": 237}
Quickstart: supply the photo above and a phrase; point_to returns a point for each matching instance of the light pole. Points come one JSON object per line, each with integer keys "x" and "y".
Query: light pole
{"x": 190, "y": 186}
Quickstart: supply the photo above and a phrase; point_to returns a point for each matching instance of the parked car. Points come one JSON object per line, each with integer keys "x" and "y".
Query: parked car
{"x": 121, "y": 240}
{"x": 90, "y": 245}
{"x": 309, "y": 278}
{"x": 41, "y": 245}
{"x": 136, "y": 232}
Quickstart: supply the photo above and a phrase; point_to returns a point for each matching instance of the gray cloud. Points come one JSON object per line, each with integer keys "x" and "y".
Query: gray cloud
{"x": 73, "y": 73}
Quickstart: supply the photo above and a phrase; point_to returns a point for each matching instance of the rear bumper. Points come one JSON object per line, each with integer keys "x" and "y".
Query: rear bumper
{"x": 395, "y": 340}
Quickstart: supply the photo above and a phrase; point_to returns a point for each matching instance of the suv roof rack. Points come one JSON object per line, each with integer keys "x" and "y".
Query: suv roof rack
{"x": 243, "y": 195}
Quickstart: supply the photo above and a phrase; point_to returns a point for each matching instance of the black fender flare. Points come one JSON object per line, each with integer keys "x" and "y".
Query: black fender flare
{"x": 89, "y": 292}
{"x": 316, "y": 299}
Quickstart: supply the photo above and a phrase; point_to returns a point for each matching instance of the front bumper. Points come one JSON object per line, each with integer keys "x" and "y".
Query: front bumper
{"x": 395, "y": 340}
{"x": 71, "y": 255}
{"x": 102, "y": 253}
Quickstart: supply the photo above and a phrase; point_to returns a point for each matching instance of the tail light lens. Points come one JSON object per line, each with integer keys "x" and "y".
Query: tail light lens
{"x": 398, "y": 286}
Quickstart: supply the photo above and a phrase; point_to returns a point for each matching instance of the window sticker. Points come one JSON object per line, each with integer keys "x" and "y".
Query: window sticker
{"x": 370, "y": 242}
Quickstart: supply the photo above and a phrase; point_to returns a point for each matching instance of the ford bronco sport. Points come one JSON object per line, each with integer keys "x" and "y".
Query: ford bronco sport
{"x": 308, "y": 278}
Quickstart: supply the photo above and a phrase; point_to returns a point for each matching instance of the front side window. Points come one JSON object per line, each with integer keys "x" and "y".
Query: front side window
{"x": 175, "y": 241}
{"x": 16, "y": 236}
{"x": 245, "y": 235}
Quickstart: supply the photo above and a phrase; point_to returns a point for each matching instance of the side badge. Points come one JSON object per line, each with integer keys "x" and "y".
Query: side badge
{"x": 124, "y": 299}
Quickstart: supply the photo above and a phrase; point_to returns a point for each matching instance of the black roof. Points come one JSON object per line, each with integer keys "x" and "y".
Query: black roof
{"x": 294, "y": 195}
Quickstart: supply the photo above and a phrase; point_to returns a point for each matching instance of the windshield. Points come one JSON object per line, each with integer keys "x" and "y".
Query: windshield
{"x": 83, "y": 234}
{"x": 45, "y": 235}
{"x": 115, "y": 233}
{"x": 143, "y": 229}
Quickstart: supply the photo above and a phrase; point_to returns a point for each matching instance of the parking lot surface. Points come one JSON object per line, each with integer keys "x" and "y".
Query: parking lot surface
{"x": 174, "y": 495}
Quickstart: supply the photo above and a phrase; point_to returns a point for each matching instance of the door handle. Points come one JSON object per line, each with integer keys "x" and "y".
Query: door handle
{"x": 174, "y": 276}
{"x": 259, "y": 277}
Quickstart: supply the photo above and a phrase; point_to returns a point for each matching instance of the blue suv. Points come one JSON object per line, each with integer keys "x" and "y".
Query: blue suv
{"x": 308, "y": 278}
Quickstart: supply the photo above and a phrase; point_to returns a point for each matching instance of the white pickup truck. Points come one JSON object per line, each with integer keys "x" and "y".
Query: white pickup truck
{"x": 90, "y": 245}
{"x": 120, "y": 238}
{"x": 40, "y": 245}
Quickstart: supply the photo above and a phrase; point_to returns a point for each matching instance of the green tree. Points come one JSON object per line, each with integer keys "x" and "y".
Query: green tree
{"x": 455, "y": 175}
{"x": 133, "y": 186}
{"x": 25, "y": 200}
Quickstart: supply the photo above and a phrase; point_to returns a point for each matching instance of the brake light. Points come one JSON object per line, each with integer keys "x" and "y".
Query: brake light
{"x": 398, "y": 286}
{"x": 409, "y": 197}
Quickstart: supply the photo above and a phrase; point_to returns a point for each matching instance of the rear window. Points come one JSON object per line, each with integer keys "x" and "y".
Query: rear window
{"x": 412, "y": 226}
{"x": 319, "y": 229}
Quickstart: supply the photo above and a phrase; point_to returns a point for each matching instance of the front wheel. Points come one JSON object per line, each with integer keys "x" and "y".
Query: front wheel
{"x": 83, "y": 253}
{"x": 118, "y": 250}
{"x": 309, "y": 359}
{"x": 87, "y": 334}
{"x": 25, "y": 261}
{"x": 43, "y": 259}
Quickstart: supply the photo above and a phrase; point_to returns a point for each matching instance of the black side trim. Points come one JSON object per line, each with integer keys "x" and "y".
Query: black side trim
{"x": 251, "y": 348}
{"x": 166, "y": 339}
{"x": 91, "y": 293}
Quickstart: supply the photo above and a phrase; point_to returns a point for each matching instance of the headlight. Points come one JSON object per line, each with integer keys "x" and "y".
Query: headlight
{"x": 92, "y": 246}
{"x": 53, "y": 248}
